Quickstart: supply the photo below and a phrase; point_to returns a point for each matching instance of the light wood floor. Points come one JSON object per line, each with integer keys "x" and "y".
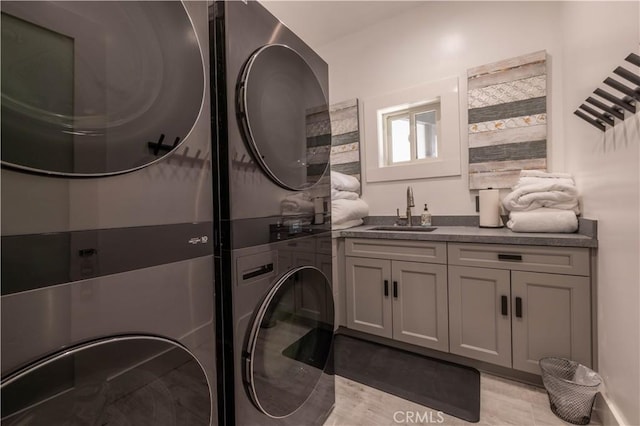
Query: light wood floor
{"x": 502, "y": 402}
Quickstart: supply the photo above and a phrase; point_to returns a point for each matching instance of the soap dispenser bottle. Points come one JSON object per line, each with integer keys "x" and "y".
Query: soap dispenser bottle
{"x": 425, "y": 218}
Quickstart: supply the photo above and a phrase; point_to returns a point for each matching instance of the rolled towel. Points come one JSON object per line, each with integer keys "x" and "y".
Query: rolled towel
{"x": 297, "y": 203}
{"x": 343, "y": 195}
{"x": 345, "y": 210}
{"x": 543, "y": 220}
{"x": 343, "y": 182}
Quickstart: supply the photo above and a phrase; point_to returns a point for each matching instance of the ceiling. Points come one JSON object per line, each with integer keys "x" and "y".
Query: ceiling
{"x": 319, "y": 22}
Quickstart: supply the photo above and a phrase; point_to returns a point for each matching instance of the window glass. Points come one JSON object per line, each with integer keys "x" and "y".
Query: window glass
{"x": 290, "y": 343}
{"x": 284, "y": 117}
{"x": 91, "y": 88}
{"x": 427, "y": 134}
{"x": 137, "y": 380}
{"x": 400, "y": 144}
{"x": 412, "y": 134}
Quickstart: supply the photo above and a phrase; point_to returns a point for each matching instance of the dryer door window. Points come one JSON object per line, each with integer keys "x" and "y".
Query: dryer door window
{"x": 97, "y": 88}
{"x": 283, "y": 114}
{"x": 120, "y": 381}
{"x": 290, "y": 342}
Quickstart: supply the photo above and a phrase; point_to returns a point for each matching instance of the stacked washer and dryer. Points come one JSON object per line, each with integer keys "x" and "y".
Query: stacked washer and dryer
{"x": 272, "y": 140}
{"x": 107, "y": 250}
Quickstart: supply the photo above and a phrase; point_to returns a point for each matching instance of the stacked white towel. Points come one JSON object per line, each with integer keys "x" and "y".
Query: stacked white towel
{"x": 347, "y": 208}
{"x": 297, "y": 204}
{"x": 342, "y": 182}
{"x": 543, "y": 202}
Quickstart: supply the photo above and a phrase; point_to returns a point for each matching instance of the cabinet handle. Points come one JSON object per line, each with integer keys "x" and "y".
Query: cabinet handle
{"x": 518, "y": 307}
{"x": 514, "y": 257}
{"x": 395, "y": 289}
{"x": 504, "y": 305}
{"x": 386, "y": 287}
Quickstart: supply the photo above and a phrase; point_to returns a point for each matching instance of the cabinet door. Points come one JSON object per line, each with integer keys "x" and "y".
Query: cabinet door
{"x": 420, "y": 311}
{"x": 551, "y": 317}
{"x": 368, "y": 304}
{"x": 477, "y": 327}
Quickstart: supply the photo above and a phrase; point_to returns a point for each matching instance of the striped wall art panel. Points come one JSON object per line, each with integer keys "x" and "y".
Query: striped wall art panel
{"x": 345, "y": 138}
{"x": 318, "y": 129}
{"x": 507, "y": 120}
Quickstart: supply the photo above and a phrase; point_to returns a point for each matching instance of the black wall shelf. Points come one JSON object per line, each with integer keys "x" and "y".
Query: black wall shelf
{"x": 598, "y": 113}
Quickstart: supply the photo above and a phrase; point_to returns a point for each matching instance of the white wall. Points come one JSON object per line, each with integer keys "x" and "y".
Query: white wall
{"x": 434, "y": 41}
{"x": 585, "y": 41}
{"x": 597, "y": 38}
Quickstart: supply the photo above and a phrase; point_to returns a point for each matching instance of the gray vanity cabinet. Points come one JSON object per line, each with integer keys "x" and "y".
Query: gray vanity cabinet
{"x": 420, "y": 304}
{"x": 478, "y": 326}
{"x": 388, "y": 296}
{"x": 506, "y": 315}
{"x": 368, "y": 297}
{"x": 551, "y": 316}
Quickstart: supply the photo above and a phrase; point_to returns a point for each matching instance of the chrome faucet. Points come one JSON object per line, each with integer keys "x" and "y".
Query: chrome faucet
{"x": 410, "y": 204}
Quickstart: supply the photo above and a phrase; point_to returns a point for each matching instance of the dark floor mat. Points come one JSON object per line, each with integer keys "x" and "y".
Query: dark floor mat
{"x": 311, "y": 348}
{"x": 440, "y": 385}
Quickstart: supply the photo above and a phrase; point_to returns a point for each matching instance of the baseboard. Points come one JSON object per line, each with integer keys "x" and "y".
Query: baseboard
{"x": 607, "y": 412}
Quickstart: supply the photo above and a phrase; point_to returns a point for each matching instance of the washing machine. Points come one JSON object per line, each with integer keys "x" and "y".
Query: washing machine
{"x": 275, "y": 316}
{"x": 107, "y": 254}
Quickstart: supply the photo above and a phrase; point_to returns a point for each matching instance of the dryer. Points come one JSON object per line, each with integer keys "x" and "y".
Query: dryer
{"x": 107, "y": 253}
{"x": 273, "y": 269}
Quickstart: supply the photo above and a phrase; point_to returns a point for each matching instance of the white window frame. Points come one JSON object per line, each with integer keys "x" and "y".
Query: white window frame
{"x": 410, "y": 113}
{"x": 448, "y": 161}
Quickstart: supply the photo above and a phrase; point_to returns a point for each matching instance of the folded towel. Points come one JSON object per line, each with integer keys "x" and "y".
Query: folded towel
{"x": 297, "y": 203}
{"x": 543, "y": 220}
{"x": 343, "y": 195}
{"x": 347, "y": 224}
{"x": 542, "y": 174}
{"x": 343, "y": 182}
{"x": 536, "y": 189}
{"x": 528, "y": 177}
{"x": 534, "y": 196}
{"x": 345, "y": 210}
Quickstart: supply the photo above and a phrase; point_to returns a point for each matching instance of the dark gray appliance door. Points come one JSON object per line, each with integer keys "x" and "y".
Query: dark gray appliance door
{"x": 133, "y": 380}
{"x": 283, "y": 114}
{"x": 289, "y": 342}
{"x": 97, "y": 88}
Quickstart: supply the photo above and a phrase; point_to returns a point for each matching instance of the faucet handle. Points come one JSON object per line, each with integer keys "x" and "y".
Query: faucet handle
{"x": 400, "y": 220}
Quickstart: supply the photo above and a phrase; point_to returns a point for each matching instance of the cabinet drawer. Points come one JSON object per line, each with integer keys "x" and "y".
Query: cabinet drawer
{"x": 414, "y": 251}
{"x": 561, "y": 260}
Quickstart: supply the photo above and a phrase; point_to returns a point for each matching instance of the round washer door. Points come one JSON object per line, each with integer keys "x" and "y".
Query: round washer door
{"x": 97, "y": 88}
{"x": 137, "y": 380}
{"x": 290, "y": 342}
{"x": 283, "y": 115}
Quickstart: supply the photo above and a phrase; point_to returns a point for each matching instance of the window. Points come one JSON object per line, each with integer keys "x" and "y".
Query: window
{"x": 413, "y": 133}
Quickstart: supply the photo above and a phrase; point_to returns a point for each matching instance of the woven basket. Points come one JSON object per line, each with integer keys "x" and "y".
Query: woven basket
{"x": 572, "y": 389}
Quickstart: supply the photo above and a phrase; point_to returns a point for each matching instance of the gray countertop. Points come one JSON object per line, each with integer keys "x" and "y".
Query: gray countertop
{"x": 474, "y": 234}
